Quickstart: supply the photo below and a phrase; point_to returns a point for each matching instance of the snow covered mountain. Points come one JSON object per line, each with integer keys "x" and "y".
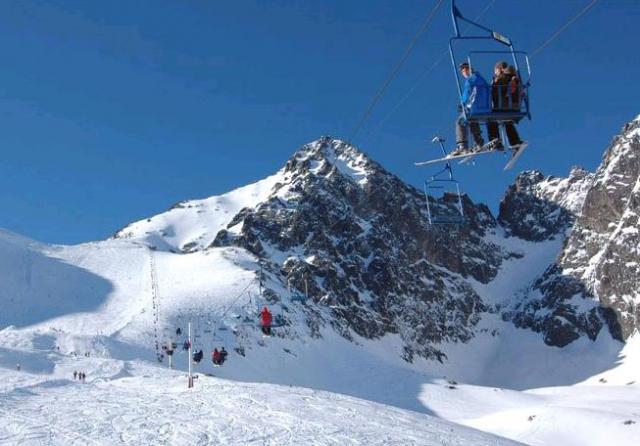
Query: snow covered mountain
{"x": 359, "y": 238}
{"x": 369, "y": 299}
{"x": 338, "y": 228}
{"x": 594, "y": 281}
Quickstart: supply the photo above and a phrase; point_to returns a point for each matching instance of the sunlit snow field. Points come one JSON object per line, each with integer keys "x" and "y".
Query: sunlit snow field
{"x": 114, "y": 299}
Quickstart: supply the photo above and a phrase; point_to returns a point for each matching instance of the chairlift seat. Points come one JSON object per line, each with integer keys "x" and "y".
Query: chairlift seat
{"x": 451, "y": 188}
{"x": 497, "y": 116}
{"x": 298, "y": 298}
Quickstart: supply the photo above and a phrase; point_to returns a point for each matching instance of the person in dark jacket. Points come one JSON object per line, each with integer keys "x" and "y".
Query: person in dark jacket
{"x": 265, "y": 321}
{"x": 223, "y": 355}
{"x": 475, "y": 99}
{"x": 504, "y": 99}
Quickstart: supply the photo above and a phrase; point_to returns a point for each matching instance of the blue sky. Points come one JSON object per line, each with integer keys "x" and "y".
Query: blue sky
{"x": 112, "y": 111}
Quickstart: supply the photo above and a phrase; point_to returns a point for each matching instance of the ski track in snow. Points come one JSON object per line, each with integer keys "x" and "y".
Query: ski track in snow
{"x": 154, "y": 407}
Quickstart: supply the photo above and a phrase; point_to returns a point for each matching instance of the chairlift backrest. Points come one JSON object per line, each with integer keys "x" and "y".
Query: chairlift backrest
{"x": 443, "y": 180}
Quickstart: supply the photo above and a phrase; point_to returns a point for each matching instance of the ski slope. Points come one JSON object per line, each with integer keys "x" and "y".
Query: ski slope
{"x": 575, "y": 415}
{"x": 134, "y": 403}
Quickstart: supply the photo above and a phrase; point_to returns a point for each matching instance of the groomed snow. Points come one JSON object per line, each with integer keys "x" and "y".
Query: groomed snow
{"x": 134, "y": 403}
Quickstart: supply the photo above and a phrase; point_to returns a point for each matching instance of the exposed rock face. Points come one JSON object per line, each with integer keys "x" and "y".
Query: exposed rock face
{"x": 360, "y": 237}
{"x": 604, "y": 247}
{"x": 538, "y": 208}
{"x": 337, "y": 225}
{"x": 595, "y": 279}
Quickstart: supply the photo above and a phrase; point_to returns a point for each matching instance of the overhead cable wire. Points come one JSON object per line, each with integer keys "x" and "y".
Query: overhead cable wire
{"x": 395, "y": 70}
{"x": 564, "y": 27}
{"x": 426, "y": 73}
{"x": 441, "y": 58}
{"x": 240, "y": 294}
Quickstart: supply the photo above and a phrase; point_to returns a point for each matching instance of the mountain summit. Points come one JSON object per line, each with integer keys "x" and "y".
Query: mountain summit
{"x": 335, "y": 226}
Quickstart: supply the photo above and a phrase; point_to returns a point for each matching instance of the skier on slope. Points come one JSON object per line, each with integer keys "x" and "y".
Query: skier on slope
{"x": 475, "y": 98}
{"x": 265, "y": 321}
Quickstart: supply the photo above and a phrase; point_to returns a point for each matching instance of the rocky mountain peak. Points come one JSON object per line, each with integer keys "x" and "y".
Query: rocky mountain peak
{"x": 594, "y": 281}
{"x": 526, "y": 180}
{"x": 359, "y": 237}
{"x": 328, "y": 156}
{"x": 538, "y": 207}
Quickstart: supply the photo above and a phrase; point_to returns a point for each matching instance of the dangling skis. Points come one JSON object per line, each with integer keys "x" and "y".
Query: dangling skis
{"x": 515, "y": 155}
{"x": 487, "y": 148}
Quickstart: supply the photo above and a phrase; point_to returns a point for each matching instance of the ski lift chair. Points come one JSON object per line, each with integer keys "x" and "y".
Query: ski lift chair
{"x": 298, "y": 297}
{"x": 518, "y": 106}
{"x": 443, "y": 181}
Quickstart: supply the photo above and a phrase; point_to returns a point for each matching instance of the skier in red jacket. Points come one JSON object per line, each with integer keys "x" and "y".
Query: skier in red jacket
{"x": 215, "y": 356}
{"x": 266, "y": 319}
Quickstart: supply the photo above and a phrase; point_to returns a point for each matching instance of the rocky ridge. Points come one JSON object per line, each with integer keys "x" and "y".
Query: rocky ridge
{"x": 335, "y": 225}
{"x": 360, "y": 238}
{"x": 594, "y": 281}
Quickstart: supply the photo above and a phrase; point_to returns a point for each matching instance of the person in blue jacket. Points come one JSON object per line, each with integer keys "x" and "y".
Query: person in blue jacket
{"x": 476, "y": 98}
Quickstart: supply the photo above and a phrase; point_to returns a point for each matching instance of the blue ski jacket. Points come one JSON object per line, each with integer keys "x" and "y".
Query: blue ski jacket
{"x": 476, "y": 94}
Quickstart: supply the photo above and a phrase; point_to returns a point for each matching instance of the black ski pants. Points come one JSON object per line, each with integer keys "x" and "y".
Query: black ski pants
{"x": 509, "y": 127}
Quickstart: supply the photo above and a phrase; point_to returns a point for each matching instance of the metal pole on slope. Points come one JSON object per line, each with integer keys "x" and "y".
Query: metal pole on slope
{"x": 260, "y": 262}
{"x": 190, "y": 383}
{"x": 172, "y": 352}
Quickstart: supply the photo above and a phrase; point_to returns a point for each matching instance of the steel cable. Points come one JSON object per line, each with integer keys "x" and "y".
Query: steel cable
{"x": 395, "y": 70}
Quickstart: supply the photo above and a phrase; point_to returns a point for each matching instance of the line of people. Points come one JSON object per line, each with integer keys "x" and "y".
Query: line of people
{"x": 478, "y": 97}
{"x": 80, "y": 376}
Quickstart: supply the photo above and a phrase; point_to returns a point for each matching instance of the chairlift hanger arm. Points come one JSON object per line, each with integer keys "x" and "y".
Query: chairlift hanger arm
{"x": 457, "y": 15}
{"x": 493, "y": 36}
